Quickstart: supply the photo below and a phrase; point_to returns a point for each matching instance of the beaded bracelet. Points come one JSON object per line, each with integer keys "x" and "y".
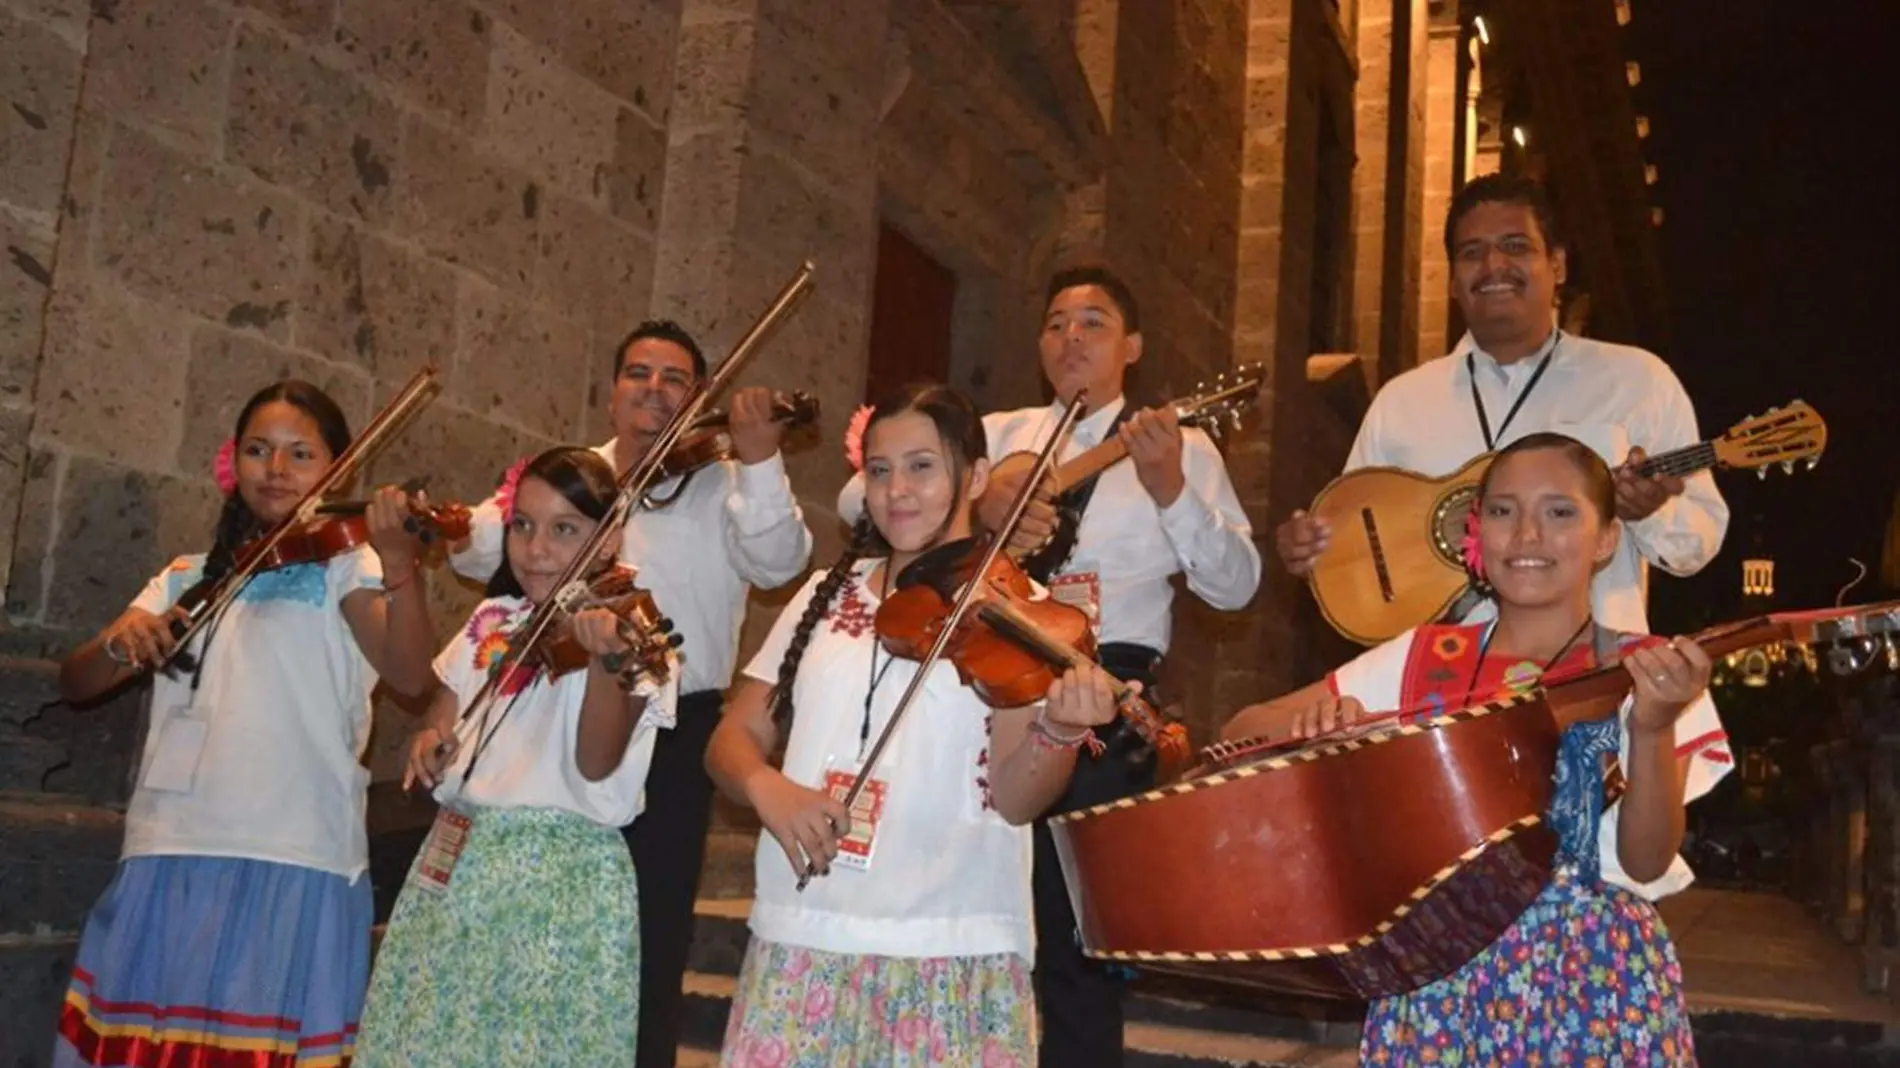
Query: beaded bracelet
{"x": 1046, "y": 737}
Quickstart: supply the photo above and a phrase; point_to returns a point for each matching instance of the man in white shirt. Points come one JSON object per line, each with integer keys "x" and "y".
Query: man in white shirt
{"x": 1170, "y": 510}
{"x": 700, "y": 542}
{"x": 1515, "y": 373}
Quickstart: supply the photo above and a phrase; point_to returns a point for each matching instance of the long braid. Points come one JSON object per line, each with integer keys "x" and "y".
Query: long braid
{"x": 236, "y": 525}
{"x": 863, "y": 535}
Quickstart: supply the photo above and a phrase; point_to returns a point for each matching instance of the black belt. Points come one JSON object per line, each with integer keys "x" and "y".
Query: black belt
{"x": 1130, "y": 662}
{"x": 700, "y": 700}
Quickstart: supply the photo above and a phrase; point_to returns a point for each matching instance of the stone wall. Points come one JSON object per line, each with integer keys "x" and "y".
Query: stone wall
{"x": 200, "y": 196}
{"x": 231, "y": 193}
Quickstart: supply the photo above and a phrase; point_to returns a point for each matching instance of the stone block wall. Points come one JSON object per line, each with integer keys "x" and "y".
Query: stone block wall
{"x": 200, "y": 196}
{"x": 212, "y": 195}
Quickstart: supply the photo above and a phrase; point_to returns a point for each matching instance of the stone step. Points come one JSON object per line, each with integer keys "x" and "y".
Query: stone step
{"x": 46, "y": 744}
{"x": 34, "y": 970}
{"x": 57, "y": 853}
{"x": 1191, "y": 1007}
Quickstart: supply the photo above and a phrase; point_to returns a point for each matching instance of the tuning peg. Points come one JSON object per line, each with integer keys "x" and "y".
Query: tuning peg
{"x": 1233, "y": 418}
{"x": 1813, "y": 462}
{"x": 1761, "y": 473}
{"x": 1773, "y": 408}
{"x": 675, "y": 640}
{"x": 1787, "y": 467}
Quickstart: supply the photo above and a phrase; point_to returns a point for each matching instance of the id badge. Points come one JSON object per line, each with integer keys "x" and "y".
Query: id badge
{"x": 1082, "y": 590}
{"x": 435, "y": 864}
{"x": 181, "y": 744}
{"x": 867, "y": 812}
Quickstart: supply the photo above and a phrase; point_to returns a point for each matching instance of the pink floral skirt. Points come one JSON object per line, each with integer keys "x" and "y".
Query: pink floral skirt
{"x": 803, "y": 1008}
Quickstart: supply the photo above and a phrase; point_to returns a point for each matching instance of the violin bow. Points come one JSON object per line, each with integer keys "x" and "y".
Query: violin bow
{"x": 633, "y": 485}
{"x": 384, "y": 426}
{"x": 966, "y": 597}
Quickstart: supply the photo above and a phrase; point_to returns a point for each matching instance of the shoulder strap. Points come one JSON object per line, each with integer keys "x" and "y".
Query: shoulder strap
{"x": 1071, "y": 506}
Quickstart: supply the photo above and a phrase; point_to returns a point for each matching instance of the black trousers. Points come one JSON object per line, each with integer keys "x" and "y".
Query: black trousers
{"x": 1080, "y": 1000}
{"x": 668, "y": 843}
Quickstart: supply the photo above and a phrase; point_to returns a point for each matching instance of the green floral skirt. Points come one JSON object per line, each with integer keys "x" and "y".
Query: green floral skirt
{"x": 803, "y": 1008}
{"x": 531, "y": 956}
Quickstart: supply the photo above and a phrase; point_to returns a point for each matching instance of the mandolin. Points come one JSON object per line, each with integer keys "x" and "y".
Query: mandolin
{"x": 1395, "y": 559}
{"x": 1208, "y": 407}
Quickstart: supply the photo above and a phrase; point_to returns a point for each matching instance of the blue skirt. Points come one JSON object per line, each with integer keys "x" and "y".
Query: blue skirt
{"x": 215, "y": 961}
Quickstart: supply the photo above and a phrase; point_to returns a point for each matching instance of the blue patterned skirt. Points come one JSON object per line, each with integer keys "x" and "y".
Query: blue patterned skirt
{"x": 1587, "y": 975}
{"x": 218, "y": 961}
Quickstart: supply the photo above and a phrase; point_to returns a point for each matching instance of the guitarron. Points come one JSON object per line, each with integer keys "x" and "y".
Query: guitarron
{"x": 1365, "y": 865}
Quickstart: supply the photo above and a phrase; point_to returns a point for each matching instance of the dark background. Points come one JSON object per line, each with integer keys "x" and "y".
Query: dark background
{"x": 1773, "y": 126}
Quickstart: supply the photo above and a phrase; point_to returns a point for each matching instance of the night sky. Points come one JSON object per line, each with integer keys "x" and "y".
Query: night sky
{"x": 1772, "y": 125}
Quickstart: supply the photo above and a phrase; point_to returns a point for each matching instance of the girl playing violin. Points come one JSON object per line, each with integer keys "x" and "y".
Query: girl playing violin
{"x": 1587, "y": 973}
{"x": 914, "y": 945}
{"x": 239, "y": 919}
{"x": 515, "y": 940}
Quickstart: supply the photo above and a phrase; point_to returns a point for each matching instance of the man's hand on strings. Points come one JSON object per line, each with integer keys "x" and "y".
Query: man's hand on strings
{"x": 1638, "y": 496}
{"x": 1153, "y": 440}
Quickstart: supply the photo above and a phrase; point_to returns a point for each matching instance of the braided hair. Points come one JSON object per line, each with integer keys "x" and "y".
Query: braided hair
{"x": 961, "y": 430}
{"x": 237, "y": 523}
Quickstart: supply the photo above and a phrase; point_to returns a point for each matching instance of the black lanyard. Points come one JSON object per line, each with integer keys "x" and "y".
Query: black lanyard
{"x": 1484, "y": 648}
{"x": 1477, "y": 402}
{"x": 876, "y": 674}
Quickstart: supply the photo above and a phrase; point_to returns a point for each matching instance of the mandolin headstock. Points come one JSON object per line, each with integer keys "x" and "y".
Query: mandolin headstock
{"x": 1782, "y": 436}
{"x": 1216, "y": 406}
{"x": 797, "y": 408}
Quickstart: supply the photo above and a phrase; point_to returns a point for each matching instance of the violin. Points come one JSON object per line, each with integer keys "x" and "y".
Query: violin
{"x": 649, "y": 635}
{"x": 1011, "y": 646}
{"x": 335, "y": 528}
{"x": 339, "y": 526}
{"x": 707, "y": 439}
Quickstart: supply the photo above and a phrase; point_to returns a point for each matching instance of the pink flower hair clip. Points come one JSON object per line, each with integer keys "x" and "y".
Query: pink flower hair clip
{"x": 224, "y": 468}
{"x": 854, "y": 437}
{"x": 510, "y": 483}
{"x": 1471, "y": 548}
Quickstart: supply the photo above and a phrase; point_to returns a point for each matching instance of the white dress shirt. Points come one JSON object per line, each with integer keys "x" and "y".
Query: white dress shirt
{"x": 1130, "y": 544}
{"x": 1610, "y": 397}
{"x": 734, "y": 526}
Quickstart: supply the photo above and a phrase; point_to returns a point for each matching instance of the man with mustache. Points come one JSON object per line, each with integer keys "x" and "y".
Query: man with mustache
{"x": 1514, "y": 373}
{"x": 1171, "y": 509}
{"x": 700, "y": 542}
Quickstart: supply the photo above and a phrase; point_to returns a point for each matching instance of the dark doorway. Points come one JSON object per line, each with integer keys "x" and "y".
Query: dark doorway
{"x": 911, "y": 303}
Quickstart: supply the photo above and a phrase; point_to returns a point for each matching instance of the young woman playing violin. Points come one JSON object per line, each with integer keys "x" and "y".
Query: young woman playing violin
{"x": 1587, "y": 973}
{"x": 914, "y": 944}
{"x": 516, "y": 938}
{"x": 239, "y": 920}
{"x": 708, "y": 534}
